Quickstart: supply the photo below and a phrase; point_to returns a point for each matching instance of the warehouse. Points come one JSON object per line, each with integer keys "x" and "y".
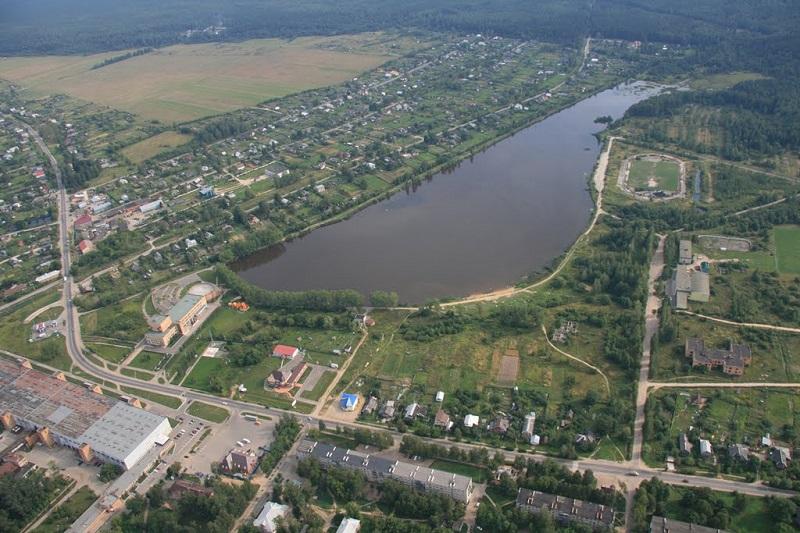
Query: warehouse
{"x": 59, "y": 412}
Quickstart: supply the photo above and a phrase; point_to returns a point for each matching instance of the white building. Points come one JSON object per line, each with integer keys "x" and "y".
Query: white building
{"x": 440, "y": 396}
{"x": 471, "y": 421}
{"x": 349, "y": 525}
{"x": 265, "y": 520}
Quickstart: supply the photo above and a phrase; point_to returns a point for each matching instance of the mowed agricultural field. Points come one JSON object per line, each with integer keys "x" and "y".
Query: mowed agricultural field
{"x": 154, "y": 145}
{"x": 186, "y": 82}
{"x": 662, "y": 175}
{"x": 787, "y": 249}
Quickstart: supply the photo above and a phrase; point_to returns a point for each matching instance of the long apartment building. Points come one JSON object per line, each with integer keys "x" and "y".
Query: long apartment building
{"x": 57, "y": 412}
{"x": 378, "y": 469}
{"x": 565, "y": 510}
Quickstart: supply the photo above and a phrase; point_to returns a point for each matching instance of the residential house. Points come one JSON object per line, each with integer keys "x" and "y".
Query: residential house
{"x": 442, "y": 420}
{"x": 471, "y": 421}
{"x": 387, "y": 410}
{"x": 500, "y": 425}
{"x": 781, "y": 457}
{"x": 284, "y": 377}
{"x": 706, "y": 450}
{"x": 415, "y": 410}
{"x": 370, "y": 406}
{"x": 528, "y": 426}
{"x": 85, "y": 246}
{"x": 739, "y": 452}
{"x": 440, "y": 396}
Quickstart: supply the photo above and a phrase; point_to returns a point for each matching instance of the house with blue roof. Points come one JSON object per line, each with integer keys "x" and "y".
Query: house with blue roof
{"x": 348, "y": 402}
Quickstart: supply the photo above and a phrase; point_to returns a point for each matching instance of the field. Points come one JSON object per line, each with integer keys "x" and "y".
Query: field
{"x": 147, "y": 360}
{"x": 111, "y": 353}
{"x": 208, "y": 412}
{"x": 152, "y": 146}
{"x": 654, "y": 175}
{"x": 787, "y": 249}
{"x": 187, "y": 82}
{"x": 772, "y": 352}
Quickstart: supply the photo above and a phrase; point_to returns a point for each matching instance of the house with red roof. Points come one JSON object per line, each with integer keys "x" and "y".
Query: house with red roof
{"x": 83, "y": 221}
{"x": 86, "y": 246}
{"x": 284, "y": 351}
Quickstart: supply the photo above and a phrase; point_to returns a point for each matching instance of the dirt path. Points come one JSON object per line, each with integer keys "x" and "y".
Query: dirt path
{"x": 723, "y": 385}
{"x": 785, "y": 329}
{"x": 651, "y": 328}
{"x": 581, "y": 361}
{"x": 339, "y": 375}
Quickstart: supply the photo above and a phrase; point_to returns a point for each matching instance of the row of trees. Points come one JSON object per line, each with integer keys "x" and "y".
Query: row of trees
{"x": 286, "y": 432}
{"x": 317, "y": 300}
{"x": 122, "y": 57}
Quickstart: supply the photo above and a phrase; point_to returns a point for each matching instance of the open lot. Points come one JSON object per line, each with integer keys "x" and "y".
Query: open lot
{"x": 208, "y": 412}
{"x": 187, "y": 82}
{"x": 787, "y": 249}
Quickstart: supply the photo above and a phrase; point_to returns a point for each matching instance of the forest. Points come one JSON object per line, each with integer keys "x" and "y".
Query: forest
{"x": 82, "y": 26}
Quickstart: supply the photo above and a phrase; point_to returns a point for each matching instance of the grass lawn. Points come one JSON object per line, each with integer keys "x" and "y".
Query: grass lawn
{"x": 208, "y": 412}
{"x": 69, "y": 511}
{"x": 163, "y": 399}
{"x": 112, "y": 354}
{"x": 202, "y": 371}
{"x": 321, "y": 386}
{"x": 477, "y": 473}
{"x": 152, "y": 146}
{"x": 123, "y": 321}
{"x": 787, "y": 249}
{"x": 663, "y": 175}
{"x": 187, "y": 82}
{"x": 147, "y": 360}
{"x": 50, "y": 314}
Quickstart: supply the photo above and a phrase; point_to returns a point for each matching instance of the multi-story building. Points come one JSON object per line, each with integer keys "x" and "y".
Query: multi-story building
{"x": 597, "y": 516}
{"x": 378, "y": 469}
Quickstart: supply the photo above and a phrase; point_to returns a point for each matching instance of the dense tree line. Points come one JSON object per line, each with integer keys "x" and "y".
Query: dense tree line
{"x": 285, "y": 433}
{"x": 221, "y": 129}
{"x": 77, "y": 172}
{"x": 433, "y": 326}
{"x": 316, "y": 300}
{"x": 122, "y": 57}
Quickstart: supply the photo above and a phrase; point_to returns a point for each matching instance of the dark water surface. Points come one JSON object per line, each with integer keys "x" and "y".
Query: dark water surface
{"x": 504, "y": 214}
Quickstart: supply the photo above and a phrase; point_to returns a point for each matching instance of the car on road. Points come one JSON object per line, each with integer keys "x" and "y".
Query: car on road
{"x": 633, "y": 473}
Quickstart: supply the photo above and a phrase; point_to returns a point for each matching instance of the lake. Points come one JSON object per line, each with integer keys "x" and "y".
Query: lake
{"x": 507, "y": 212}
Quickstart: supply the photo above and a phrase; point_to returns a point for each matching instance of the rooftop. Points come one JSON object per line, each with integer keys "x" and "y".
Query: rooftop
{"x": 184, "y": 305}
{"x": 659, "y": 524}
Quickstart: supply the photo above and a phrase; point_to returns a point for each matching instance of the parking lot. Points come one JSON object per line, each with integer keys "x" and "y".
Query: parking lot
{"x": 222, "y": 438}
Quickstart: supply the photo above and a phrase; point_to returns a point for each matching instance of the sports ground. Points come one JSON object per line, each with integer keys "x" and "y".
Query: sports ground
{"x": 649, "y": 174}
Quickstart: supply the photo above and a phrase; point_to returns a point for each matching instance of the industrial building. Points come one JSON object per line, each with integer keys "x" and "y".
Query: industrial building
{"x": 688, "y": 285}
{"x": 379, "y": 469}
{"x": 59, "y": 412}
